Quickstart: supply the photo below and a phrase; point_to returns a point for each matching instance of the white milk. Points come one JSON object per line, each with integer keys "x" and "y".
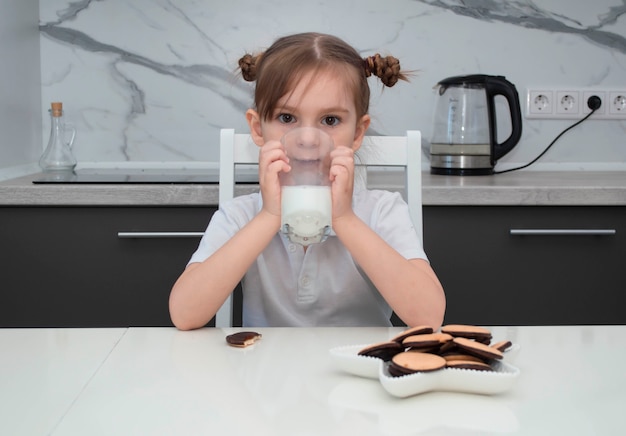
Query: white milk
{"x": 307, "y": 209}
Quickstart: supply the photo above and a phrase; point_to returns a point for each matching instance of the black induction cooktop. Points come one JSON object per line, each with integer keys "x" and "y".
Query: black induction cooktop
{"x": 141, "y": 178}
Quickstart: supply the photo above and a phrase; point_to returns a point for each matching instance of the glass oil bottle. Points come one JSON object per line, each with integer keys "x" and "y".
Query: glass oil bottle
{"x": 58, "y": 156}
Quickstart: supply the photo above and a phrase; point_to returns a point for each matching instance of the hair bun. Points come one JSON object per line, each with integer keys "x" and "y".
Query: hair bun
{"x": 387, "y": 69}
{"x": 247, "y": 64}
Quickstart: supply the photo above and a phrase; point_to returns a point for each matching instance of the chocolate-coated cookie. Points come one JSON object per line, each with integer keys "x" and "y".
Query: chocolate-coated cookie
{"x": 502, "y": 345}
{"x": 469, "y": 364}
{"x": 242, "y": 339}
{"x": 417, "y": 330}
{"x": 409, "y": 362}
{"x": 382, "y": 350}
{"x": 478, "y": 349}
{"x": 477, "y": 333}
{"x": 452, "y": 357}
{"x": 428, "y": 341}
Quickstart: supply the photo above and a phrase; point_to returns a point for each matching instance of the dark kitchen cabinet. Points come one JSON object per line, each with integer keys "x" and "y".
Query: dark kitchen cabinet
{"x": 67, "y": 266}
{"x": 494, "y": 274}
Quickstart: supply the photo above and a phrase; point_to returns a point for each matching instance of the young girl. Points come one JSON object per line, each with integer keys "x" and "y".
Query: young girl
{"x": 372, "y": 264}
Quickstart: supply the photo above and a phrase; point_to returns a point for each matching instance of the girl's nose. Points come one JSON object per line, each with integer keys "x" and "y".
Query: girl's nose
{"x": 309, "y": 137}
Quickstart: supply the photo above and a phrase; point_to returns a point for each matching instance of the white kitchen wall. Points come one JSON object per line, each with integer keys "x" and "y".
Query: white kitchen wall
{"x": 20, "y": 89}
{"x": 154, "y": 80}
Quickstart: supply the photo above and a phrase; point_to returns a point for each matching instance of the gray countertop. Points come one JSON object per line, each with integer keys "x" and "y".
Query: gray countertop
{"x": 529, "y": 188}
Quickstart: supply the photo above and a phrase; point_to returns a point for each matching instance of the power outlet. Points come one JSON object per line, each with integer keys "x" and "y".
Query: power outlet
{"x": 601, "y": 111}
{"x": 571, "y": 103}
{"x": 567, "y": 103}
{"x": 616, "y": 104}
{"x": 540, "y": 103}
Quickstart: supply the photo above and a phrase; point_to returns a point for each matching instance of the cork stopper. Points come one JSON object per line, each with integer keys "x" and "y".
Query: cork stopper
{"x": 57, "y": 109}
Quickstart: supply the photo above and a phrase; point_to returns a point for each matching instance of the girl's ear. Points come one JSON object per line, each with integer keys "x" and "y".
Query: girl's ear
{"x": 361, "y": 127}
{"x": 254, "y": 122}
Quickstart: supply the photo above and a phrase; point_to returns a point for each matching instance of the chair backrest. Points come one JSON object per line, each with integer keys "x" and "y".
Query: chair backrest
{"x": 382, "y": 151}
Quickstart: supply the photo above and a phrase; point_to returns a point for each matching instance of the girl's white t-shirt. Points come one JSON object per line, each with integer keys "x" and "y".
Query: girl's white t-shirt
{"x": 323, "y": 286}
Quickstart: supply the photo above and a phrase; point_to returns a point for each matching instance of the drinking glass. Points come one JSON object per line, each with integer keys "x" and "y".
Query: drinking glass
{"x": 305, "y": 198}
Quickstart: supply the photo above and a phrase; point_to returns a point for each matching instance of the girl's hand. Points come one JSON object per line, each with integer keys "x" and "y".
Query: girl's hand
{"x": 342, "y": 180}
{"x": 272, "y": 161}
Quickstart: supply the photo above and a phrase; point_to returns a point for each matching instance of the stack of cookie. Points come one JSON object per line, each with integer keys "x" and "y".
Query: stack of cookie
{"x": 420, "y": 349}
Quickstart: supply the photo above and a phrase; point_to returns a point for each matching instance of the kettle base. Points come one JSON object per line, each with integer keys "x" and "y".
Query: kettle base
{"x": 462, "y": 171}
{"x": 461, "y": 164}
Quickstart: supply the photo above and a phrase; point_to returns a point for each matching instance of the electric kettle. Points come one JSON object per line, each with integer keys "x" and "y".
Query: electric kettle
{"x": 465, "y": 140}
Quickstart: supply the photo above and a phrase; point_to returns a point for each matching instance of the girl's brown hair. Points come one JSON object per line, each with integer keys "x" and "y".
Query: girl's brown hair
{"x": 278, "y": 69}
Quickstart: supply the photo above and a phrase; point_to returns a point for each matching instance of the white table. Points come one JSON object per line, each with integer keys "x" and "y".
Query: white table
{"x": 161, "y": 381}
{"x": 43, "y": 371}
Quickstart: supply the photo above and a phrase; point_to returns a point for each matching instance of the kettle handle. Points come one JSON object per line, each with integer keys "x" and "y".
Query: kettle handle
{"x": 498, "y": 85}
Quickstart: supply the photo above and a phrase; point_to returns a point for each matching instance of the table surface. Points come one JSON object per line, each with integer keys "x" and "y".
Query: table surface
{"x": 524, "y": 188}
{"x": 163, "y": 381}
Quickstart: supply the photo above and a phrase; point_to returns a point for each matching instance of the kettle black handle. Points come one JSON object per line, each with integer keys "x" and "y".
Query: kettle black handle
{"x": 498, "y": 85}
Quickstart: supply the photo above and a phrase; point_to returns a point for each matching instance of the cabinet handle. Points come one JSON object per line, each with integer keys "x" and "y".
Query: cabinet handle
{"x": 567, "y": 232}
{"x": 158, "y": 235}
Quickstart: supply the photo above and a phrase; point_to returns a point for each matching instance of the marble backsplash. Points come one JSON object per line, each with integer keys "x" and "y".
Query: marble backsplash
{"x": 155, "y": 80}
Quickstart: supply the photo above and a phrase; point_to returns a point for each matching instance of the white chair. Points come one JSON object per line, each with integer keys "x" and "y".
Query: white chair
{"x": 379, "y": 151}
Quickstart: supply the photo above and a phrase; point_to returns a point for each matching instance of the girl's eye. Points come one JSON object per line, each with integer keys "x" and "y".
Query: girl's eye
{"x": 330, "y": 121}
{"x": 286, "y": 118}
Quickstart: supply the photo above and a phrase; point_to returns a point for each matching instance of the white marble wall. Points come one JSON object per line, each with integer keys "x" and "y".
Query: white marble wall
{"x": 153, "y": 80}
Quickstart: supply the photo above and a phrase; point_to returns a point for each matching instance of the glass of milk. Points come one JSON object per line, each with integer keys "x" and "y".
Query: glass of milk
{"x": 306, "y": 201}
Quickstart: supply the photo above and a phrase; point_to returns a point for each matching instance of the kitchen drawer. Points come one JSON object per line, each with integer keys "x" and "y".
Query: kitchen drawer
{"x": 71, "y": 267}
{"x": 529, "y": 265}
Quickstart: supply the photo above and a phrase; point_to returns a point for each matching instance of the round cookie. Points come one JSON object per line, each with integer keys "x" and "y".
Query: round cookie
{"x": 395, "y": 371}
{"x": 478, "y": 349}
{"x": 427, "y": 341}
{"x": 480, "y": 334}
{"x": 409, "y": 362}
{"x": 242, "y": 339}
{"x": 382, "y": 350}
{"x": 441, "y": 337}
{"x": 469, "y": 364}
{"x": 447, "y": 347}
{"x": 417, "y": 330}
{"x": 502, "y": 345}
{"x": 452, "y": 357}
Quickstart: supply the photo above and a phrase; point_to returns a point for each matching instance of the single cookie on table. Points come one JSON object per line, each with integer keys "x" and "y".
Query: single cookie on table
{"x": 469, "y": 364}
{"x": 502, "y": 345}
{"x": 477, "y": 333}
{"x": 410, "y": 362}
{"x": 382, "y": 350}
{"x": 242, "y": 339}
{"x": 478, "y": 349}
{"x": 417, "y": 330}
